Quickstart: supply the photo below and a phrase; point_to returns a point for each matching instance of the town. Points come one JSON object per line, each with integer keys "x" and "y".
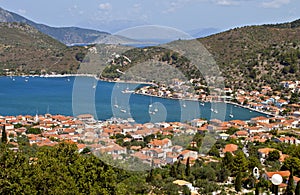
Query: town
{"x": 158, "y": 144}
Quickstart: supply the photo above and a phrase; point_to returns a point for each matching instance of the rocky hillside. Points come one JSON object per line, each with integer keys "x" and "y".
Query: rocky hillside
{"x": 248, "y": 57}
{"x": 24, "y": 49}
{"x": 66, "y": 35}
{"x": 256, "y": 55}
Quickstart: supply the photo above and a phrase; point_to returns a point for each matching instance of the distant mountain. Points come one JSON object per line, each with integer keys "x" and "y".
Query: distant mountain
{"x": 66, "y": 35}
{"x": 24, "y": 49}
{"x": 112, "y": 26}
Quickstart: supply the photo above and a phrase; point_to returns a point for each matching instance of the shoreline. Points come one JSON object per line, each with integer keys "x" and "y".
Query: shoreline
{"x": 81, "y": 75}
{"x": 147, "y": 83}
{"x": 226, "y": 102}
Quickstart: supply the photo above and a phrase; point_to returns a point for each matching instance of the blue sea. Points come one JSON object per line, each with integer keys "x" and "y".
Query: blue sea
{"x": 78, "y": 95}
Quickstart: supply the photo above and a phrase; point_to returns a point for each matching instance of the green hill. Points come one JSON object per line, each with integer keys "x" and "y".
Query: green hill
{"x": 24, "y": 49}
{"x": 248, "y": 57}
{"x": 66, "y": 35}
{"x": 256, "y": 55}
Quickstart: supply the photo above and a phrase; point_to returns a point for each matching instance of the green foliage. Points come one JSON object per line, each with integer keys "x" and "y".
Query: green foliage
{"x": 61, "y": 170}
{"x": 33, "y": 131}
{"x": 292, "y": 163}
{"x": 187, "y": 167}
{"x": 80, "y": 56}
{"x": 214, "y": 151}
{"x": 240, "y": 163}
{"x": 297, "y": 190}
{"x": 231, "y": 130}
{"x": 16, "y": 126}
{"x": 4, "y": 135}
{"x": 290, "y": 187}
{"x": 238, "y": 182}
{"x": 274, "y": 155}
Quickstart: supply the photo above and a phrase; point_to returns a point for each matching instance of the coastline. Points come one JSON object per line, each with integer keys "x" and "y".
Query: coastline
{"x": 226, "y": 102}
{"x": 144, "y": 94}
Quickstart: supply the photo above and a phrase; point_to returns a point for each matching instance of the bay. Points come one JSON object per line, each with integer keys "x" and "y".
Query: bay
{"x": 79, "y": 95}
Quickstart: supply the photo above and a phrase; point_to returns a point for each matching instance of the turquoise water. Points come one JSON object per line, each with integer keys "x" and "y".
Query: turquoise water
{"x": 31, "y": 95}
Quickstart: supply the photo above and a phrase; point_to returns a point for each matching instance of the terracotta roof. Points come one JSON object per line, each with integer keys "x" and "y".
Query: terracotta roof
{"x": 266, "y": 150}
{"x": 282, "y": 173}
{"x": 230, "y": 148}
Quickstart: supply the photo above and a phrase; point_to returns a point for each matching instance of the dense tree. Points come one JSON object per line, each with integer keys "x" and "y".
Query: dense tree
{"x": 297, "y": 190}
{"x": 274, "y": 155}
{"x": 240, "y": 163}
{"x": 228, "y": 160}
{"x": 187, "y": 167}
{"x": 238, "y": 182}
{"x": 290, "y": 187}
{"x": 214, "y": 151}
{"x": 292, "y": 163}
{"x": 4, "y": 135}
{"x": 173, "y": 172}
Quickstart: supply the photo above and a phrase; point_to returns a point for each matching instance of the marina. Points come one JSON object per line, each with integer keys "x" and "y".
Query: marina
{"x": 55, "y": 95}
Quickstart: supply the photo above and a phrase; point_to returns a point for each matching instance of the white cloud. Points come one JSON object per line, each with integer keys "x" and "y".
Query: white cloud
{"x": 174, "y": 5}
{"x": 22, "y": 11}
{"x": 105, "y": 6}
{"x": 275, "y": 3}
{"x": 225, "y": 2}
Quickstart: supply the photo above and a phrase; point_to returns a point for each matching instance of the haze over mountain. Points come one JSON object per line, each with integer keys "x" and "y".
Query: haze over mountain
{"x": 66, "y": 35}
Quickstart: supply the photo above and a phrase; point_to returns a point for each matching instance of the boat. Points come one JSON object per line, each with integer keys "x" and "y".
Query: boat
{"x": 95, "y": 85}
{"x": 184, "y": 105}
{"x": 116, "y": 104}
{"x": 150, "y": 105}
{"x": 123, "y": 110}
{"x": 202, "y": 104}
{"x": 150, "y": 112}
{"x": 127, "y": 91}
{"x": 231, "y": 115}
{"x": 131, "y": 120}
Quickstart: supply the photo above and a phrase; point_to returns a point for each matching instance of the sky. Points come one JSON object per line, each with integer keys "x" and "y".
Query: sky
{"x": 185, "y": 15}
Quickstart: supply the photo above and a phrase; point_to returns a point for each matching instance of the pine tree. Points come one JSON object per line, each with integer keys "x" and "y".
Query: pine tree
{"x": 290, "y": 186}
{"x": 173, "y": 172}
{"x": 150, "y": 177}
{"x": 4, "y": 136}
{"x": 297, "y": 191}
{"x": 187, "y": 167}
{"x": 256, "y": 189}
{"x": 238, "y": 182}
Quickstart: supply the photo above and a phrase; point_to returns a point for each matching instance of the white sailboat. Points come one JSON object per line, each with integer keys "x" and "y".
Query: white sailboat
{"x": 127, "y": 90}
{"x": 214, "y": 110}
{"x": 150, "y": 105}
{"x": 116, "y": 104}
{"x": 94, "y": 85}
{"x": 231, "y": 115}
